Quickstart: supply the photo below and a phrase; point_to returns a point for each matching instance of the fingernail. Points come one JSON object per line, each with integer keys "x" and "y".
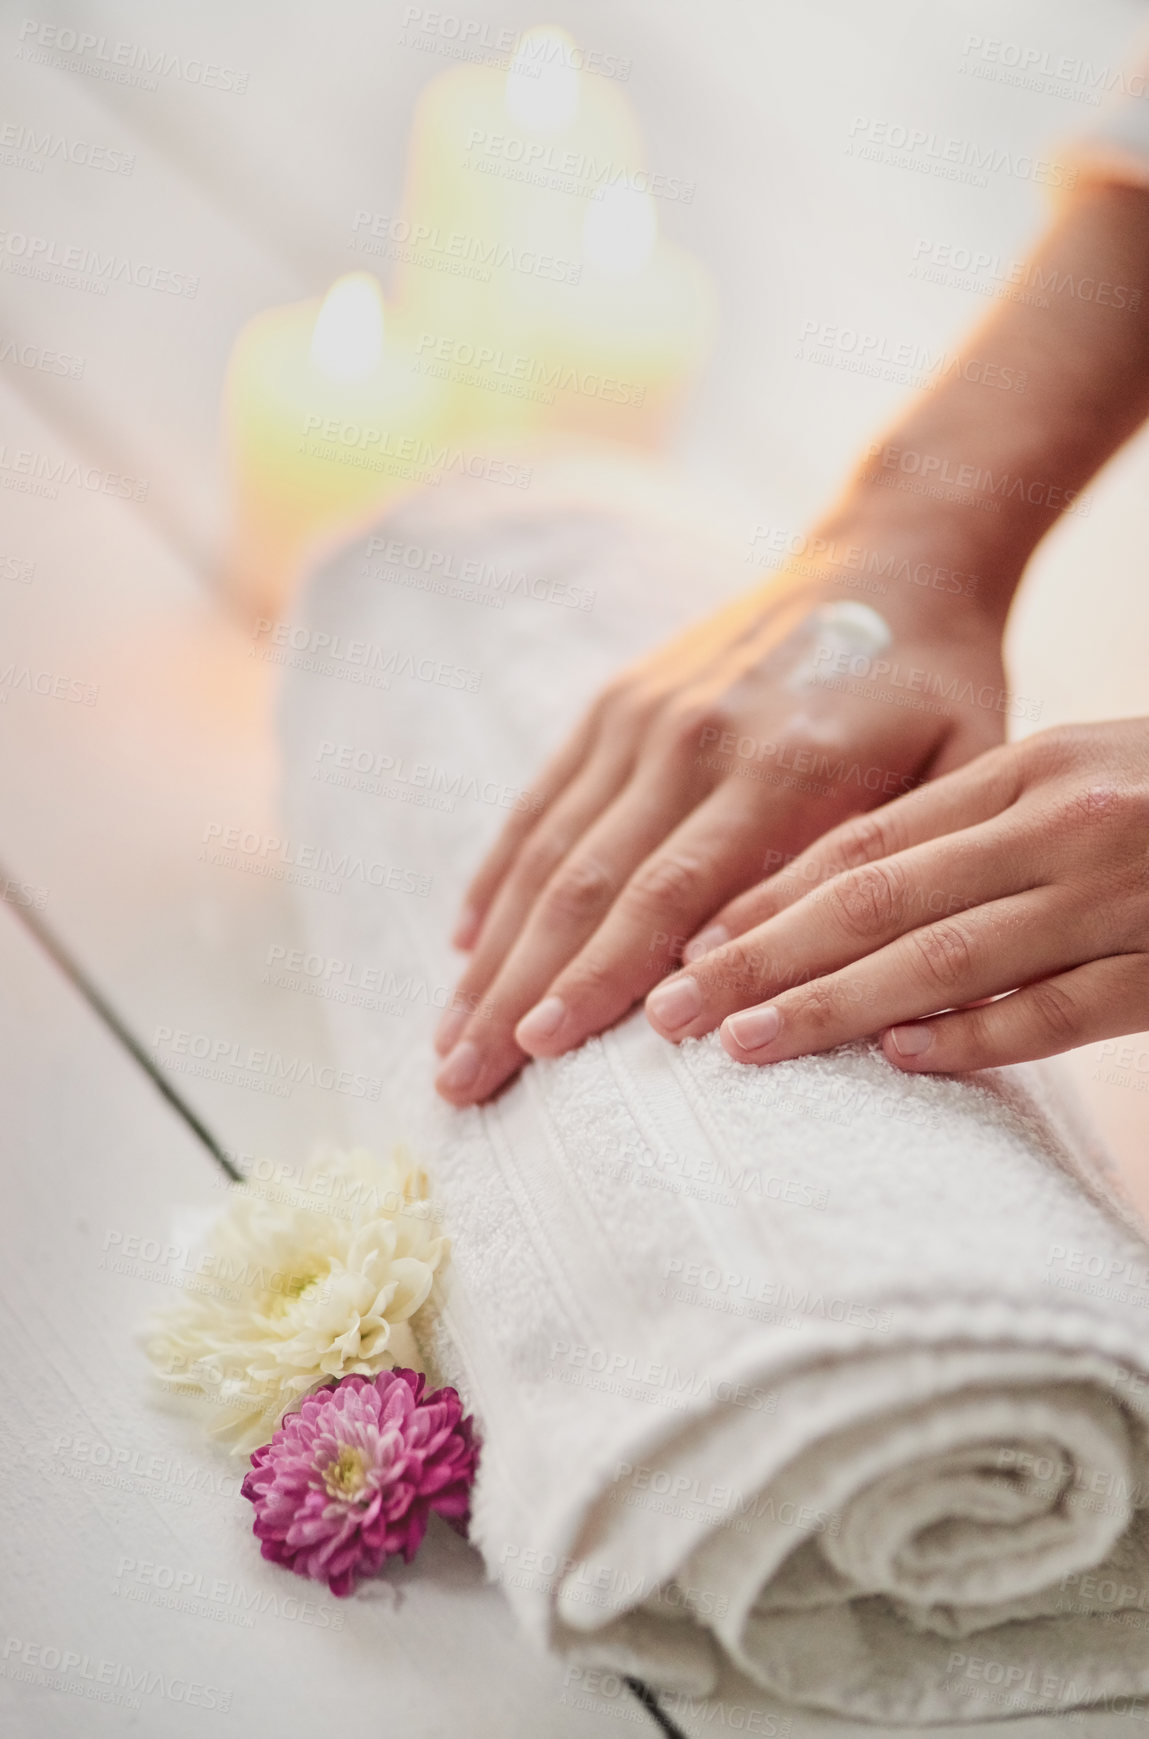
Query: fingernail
{"x": 705, "y": 942}
{"x": 542, "y": 1022}
{"x": 449, "y": 1028}
{"x": 911, "y": 1041}
{"x": 459, "y": 1071}
{"x": 754, "y": 1027}
{"x": 468, "y": 923}
{"x": 673, "y": 1004}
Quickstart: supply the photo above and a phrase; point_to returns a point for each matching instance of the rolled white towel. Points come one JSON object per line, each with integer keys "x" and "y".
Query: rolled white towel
{"x": 839, "y": 1371}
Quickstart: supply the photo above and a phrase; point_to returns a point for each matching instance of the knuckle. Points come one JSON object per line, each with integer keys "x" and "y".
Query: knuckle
{"x": 591, "y": 981}
{"x": 579, "y": 889}
{"x": 687, "y": 727}
{"x": 970, "y": 1045}
{"x": 944, "y": 953}
{"x": 869, "y": 900}
{"x": 736, "y": 972}
{"x": 1000, "y": 773}
{"x": 1104, "y": 808}
{"x": 487, "y": 1013}
{"x": 1056, "y": 1010}
{"x": 819, "y": 1005}
{"x": 1050, "y": 751}
{"x": 665, "y": 880}
{"x": 1121, "y": 805}
{"x": 537, "y": 858}
{"x": 714, "y": 721}
{"x": 629, "y": 700}
{"x": 862, "y": 840}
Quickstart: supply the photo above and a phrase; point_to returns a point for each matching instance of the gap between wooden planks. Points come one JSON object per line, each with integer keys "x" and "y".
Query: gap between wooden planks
{"x": 126, "y": 1539}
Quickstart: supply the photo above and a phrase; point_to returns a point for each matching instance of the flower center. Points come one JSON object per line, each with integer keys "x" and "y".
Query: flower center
{"x": 298, "y": 1284}
{"x": 290, "y": 1289}
{"x": 346, "y": 1476}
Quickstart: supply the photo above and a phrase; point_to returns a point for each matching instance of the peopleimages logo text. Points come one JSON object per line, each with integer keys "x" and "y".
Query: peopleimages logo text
{"x": 39, "y": 252}
{"x": 62, "y": 39}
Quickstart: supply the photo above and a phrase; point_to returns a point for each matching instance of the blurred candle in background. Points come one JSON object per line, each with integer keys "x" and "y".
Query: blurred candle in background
{"x": 325, "y": 421}
{"x": 538, "y": 298}
{"x": 631, "y": 335}
{"x": 598, "y": 323}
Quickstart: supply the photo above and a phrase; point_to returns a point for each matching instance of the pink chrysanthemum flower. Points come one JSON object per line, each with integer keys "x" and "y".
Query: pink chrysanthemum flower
{"x": 352, "y": 1477}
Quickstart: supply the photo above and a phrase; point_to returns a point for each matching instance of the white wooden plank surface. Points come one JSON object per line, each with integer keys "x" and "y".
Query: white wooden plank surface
{"x": 116, "y": 810}
{"x": 111, "y": 1501}
{"x": 145, "y": 402}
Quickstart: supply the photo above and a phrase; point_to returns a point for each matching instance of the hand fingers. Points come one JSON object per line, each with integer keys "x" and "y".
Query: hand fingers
{"x": 939, "y": 967}
{"x": 555, "y": 776}
{"x": 580, "y": 805}
{"x": 973, "y": 794}
{"x": 711, "y": 852}
{"x": 1103, "y": 999}
{"x": 843, "y": 920}
{"x": 568, "y": 909}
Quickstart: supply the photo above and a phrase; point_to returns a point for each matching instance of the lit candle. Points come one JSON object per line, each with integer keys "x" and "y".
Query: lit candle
{"x": 556, "y": 304}
{"x": 628, "y": 337}
{"x": 326, "y": 419}
{"x": 502, "y": 165}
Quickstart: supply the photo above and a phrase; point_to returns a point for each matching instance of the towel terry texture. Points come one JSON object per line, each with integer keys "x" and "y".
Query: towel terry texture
{"x": 842, "y": 1372}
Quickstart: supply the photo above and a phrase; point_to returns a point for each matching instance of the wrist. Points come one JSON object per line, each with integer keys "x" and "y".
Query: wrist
{"x": 917, "y": 562}
{"x": 990, "y": 501}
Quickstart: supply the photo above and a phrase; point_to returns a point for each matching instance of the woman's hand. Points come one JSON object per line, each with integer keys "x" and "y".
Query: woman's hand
{"x": 704, "y": 766}
{"x": 748, "y": 738}
{"x": 1025, "y": 872}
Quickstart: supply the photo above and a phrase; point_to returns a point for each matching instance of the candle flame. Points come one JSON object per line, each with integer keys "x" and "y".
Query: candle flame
{"x": 619, "y": 232}
{"x": 543, "y": 80}
{"x": 347, "y": 341}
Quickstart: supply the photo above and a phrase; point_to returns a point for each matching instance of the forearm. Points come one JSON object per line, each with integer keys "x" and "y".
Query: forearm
{"x": 984, "y": 471}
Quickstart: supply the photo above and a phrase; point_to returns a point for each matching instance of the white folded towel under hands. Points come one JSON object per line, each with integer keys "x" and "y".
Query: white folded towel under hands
{"x": 836, "y": 1373}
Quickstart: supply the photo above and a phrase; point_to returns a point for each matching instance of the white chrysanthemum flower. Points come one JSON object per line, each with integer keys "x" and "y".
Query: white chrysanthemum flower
{"x": 298, "y": 1283}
